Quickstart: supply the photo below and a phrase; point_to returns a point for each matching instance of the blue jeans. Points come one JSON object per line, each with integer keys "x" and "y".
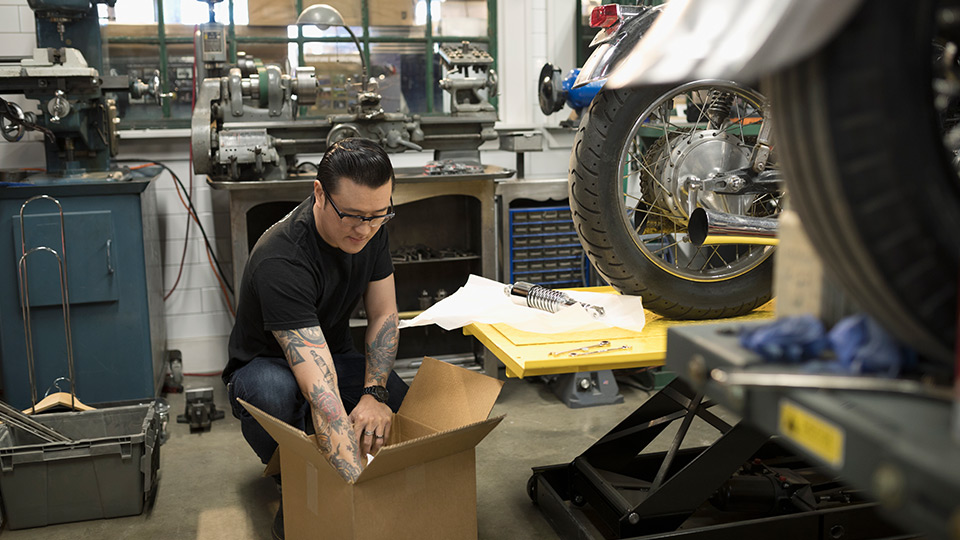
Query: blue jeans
{"x": 269, "y": 385}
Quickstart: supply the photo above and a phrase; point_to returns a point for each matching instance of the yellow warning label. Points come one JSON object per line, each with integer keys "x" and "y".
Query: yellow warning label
{"x": 820, "y": 437}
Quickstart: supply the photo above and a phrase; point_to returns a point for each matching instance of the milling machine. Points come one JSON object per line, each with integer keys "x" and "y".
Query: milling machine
{"x": 66, "y": 75}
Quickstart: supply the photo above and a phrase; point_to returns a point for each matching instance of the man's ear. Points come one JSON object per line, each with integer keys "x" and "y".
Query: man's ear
{"x": 317, "y": 190}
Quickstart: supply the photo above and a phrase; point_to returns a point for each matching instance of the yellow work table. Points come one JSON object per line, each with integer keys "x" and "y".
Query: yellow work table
{"x": 527, "y": 354}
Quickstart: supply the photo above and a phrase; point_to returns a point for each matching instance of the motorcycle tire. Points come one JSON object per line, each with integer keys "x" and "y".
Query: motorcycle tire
{"x": 596, "y": 201}
{"x": 862, "y": 147}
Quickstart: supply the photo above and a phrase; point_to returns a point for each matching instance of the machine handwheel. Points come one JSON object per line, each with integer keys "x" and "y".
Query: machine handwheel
{"x": 12, "y": 131}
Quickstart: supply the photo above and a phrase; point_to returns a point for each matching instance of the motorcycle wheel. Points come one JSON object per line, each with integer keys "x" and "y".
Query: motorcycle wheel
{"x": 863, "y": 130}
{"x": 630, "y": 208}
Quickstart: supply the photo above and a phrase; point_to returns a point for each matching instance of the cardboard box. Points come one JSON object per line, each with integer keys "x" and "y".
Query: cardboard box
{"x": 421, "y": 484}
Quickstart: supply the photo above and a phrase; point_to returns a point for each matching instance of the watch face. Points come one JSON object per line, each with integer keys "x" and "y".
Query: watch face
{"x": 378, "y": 392}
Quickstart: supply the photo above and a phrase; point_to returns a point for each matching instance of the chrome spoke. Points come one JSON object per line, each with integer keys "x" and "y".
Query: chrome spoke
{"x": 652, "y": 205}
{"x": 666, "y": 135}
{"x": 658, "y": 214}
{"x": 706, "y": 263}
{"x": 665, "y": 247}
{"x": 716, "y": 252}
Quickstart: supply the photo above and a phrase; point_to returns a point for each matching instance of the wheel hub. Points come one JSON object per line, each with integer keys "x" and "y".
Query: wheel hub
{"x": 702, "y": 154}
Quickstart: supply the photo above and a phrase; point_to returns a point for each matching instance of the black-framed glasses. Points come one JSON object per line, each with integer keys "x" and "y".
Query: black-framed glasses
{"x": 355, "y": 220}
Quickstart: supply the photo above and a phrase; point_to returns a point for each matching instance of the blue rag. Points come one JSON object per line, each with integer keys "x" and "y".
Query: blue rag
{"x": 787, "y": 340}
{"x": 858, "y": 342}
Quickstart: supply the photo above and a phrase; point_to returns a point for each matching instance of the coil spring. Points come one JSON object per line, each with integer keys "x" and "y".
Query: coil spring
{"x": 547, "y": 299}
{"x": 719, "y": 108}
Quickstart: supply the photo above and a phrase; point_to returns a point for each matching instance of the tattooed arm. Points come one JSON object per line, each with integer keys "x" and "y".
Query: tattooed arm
{"x": 371, "y": 416}
{"x": 380, "y": 301}
{"x": 312, "y": 365}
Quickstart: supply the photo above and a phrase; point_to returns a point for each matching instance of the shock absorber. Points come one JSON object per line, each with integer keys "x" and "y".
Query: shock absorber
{"x": 540, "y": 297}
{"x": 719, "y": 108}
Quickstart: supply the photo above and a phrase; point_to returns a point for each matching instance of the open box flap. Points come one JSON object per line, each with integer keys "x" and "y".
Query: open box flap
{"x": 399, "y": 456}
{"x": 444, "y": 397}
{"x": 273, "y": 466}
{"x": 289, "y": 438}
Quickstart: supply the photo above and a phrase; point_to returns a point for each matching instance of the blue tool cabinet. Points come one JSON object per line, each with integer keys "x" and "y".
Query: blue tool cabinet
{"x": 115, "y": 285}
{"x": 545, "y": 249}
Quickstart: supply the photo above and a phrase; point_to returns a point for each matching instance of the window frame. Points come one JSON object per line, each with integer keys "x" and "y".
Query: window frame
{"x": 429, "y": 41}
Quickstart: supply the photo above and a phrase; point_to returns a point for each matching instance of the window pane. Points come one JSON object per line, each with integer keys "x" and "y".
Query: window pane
{"x": 459, "y": 17}
{"x": 338, "y": 69}
{"x": 268, "y": 53}
{"x": 399, "y": 67}
{"x": 174, "y": 12}
{"x": 401, "y": 70}
{"x": 382, "y": 12}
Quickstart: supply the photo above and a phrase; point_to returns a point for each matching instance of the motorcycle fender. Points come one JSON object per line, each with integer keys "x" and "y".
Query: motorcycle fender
{"x": 729, "y": 39}
{"x": 614, "y": 47}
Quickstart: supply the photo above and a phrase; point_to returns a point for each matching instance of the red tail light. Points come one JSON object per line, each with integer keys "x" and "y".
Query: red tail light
{"x": 605, "y": 16}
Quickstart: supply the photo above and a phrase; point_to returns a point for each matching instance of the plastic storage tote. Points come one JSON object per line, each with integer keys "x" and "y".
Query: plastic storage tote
{"x": 107, "y": 470}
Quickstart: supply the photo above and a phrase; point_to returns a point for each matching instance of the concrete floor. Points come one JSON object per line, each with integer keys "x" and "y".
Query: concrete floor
{"x": 211, "y": 488}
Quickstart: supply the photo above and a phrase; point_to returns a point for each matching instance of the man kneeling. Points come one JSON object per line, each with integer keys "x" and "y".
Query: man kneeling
{"x": 291, "y": 352}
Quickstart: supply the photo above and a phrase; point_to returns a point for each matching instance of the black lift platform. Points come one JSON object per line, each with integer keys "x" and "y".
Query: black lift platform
{"x": 746, "y": 484}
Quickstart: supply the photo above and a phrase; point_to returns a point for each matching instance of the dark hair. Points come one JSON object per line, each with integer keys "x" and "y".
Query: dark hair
{"x": 361, "y": 160}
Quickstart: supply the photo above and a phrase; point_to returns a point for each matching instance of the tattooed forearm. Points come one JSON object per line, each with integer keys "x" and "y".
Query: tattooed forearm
{"x": 323, "y": 440}
{"x": 332, "y": 423}
{"x": 312, "y": 366}
{"x": 346, "y": 469}
{"x": 329, "y": 376}
{"x": 291, "y": 341}
{"x": 331, "y": 411}
{"x": 382, "y": 351}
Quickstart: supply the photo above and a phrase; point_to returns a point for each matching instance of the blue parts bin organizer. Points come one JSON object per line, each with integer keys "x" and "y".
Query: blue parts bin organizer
{"x": 545, "y": 249}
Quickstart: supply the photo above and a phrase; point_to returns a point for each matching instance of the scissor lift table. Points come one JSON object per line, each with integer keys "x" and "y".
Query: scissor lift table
{"x": 617, "y": 489}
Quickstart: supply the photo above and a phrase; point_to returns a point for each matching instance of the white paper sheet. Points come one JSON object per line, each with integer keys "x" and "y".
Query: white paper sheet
{"x": 483, "y": 300}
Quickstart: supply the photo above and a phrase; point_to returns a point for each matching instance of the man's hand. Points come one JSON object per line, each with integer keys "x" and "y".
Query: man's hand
{"x": 371, "y": 422}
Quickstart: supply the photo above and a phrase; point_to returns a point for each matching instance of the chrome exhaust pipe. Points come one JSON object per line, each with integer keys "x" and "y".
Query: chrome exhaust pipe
{"x": 708, "y": 227}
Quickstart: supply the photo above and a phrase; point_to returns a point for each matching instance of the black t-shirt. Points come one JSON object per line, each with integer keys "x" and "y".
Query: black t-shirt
{"x": 294, "y": 279}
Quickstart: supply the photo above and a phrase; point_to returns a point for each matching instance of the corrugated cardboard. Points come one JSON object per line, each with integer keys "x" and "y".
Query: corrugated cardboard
{"x": 422, "y": 484}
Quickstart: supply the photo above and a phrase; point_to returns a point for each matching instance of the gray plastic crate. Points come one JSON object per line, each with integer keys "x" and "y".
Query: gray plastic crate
{"x": 108, "y": 470}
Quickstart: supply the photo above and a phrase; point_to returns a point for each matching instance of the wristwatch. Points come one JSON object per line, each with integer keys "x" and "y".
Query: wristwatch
{"x": 378, "y": 392}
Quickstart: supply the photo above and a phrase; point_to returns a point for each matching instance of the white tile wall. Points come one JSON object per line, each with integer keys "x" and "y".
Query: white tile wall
{"x": 17, "y": 32}
{"x": 196, "y": 324}
{"x": 9, "y": 19}
{"x": 27, "y": 21}
{"x": 212, "y": 300}
{"x": 175, "y": 249}
{"x": 531, "y": 32}
{"x": 201, "y": 355}
{"x": 187, "y": 303}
